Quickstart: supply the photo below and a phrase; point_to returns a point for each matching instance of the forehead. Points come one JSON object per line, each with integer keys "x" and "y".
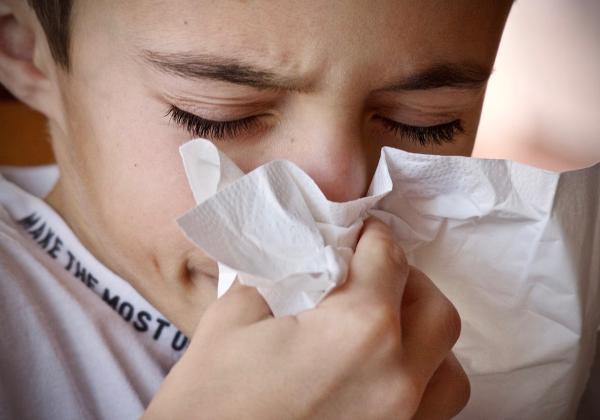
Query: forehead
{"x": 394, "y": 32}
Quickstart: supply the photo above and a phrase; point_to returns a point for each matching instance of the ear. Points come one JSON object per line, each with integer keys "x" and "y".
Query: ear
{"x": 27, "y": 69}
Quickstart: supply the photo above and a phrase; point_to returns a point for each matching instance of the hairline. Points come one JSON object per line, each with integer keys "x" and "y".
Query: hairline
{"x": 55, "y": 18}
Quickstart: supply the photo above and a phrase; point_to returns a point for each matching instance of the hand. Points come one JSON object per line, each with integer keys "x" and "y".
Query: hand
{"x": 379, "y": 347}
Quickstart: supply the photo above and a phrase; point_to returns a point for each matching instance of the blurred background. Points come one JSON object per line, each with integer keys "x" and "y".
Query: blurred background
{"x": 542, "y": 107}
{"x": 23, "y": 138}
{"x": 543, "y": 101}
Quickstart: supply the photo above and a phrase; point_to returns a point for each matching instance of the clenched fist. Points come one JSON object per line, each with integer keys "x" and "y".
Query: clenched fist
{"x": 379, "y": 347}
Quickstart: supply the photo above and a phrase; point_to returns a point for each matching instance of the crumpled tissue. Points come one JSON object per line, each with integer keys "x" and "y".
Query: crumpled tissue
{"x": 515, "y": 248}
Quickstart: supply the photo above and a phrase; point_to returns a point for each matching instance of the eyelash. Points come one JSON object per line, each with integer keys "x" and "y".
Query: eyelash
{"x": 216, "y": 130}
{"x": 221, "y": 130}
{"x": 424, "y": 136}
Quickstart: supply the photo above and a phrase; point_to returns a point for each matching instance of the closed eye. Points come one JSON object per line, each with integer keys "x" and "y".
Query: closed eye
{"x": 424, "y": 136}
{"x": 211, "y": 129}
{"x": 222, "y": 130}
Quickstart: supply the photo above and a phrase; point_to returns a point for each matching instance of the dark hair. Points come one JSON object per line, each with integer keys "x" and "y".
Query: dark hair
{"x": 54, "y": 16}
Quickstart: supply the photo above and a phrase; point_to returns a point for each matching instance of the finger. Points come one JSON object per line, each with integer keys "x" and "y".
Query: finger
{"x": 240, "y": 306}
{"x": 378, "y": 269}
{"x": 430, "y": 323}
{"x": 447, "y": 393}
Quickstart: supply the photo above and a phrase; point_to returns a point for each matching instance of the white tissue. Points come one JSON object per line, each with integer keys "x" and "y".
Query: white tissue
{"x": 515, "y": 248}
{"x": 273, "y": 228}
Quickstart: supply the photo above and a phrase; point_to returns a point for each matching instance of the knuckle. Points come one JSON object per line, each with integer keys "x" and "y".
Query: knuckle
{"x": 241, "y": 290}
{"x": 461, "y": 389}
{"x": 239, "y": 295}
{"x": 420, "y": 277}
{"x": 385, "y": 245}
{"x": 452, "y": 379}
{"x": 382, "y": 319}
{"x": 395, "y": 254}
{"x": 377, "y": 325}
{"x": 451, "y": 321}
{"x": 406, "y": 395}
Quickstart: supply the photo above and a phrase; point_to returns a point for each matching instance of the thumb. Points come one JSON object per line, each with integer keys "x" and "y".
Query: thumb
{"x": 240, "y": 306}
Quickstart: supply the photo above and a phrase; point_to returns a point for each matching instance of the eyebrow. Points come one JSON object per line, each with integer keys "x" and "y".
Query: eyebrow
{"x": 212, "y": 67}
{"x": 445, "y": 75}
{"x": 236, "y": 71}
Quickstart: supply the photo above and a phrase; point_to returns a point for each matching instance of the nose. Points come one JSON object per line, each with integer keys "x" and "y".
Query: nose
{"x": 339, "y": 169}
{"x": 336, "y": 157}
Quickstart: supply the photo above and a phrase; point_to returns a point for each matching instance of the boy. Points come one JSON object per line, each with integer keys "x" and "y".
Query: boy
{"x": 323, "y": 84}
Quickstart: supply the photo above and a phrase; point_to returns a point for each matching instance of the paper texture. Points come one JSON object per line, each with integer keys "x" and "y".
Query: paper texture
{"x": 515, "y": 248}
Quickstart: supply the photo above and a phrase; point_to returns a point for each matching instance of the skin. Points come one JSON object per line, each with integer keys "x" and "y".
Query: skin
{"x": 392, "y": 364}
{"x": 122, "y": 183}
{"x": 121, "y": 172}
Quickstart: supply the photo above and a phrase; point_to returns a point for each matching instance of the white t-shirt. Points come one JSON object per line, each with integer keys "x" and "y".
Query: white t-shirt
{"x": 76, "y": 341}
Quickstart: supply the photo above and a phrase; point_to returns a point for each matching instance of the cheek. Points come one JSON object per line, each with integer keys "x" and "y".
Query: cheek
{"x": 125, "y": 151}
{"x": 130, "y": 172}
{"x": 144, "y": 180}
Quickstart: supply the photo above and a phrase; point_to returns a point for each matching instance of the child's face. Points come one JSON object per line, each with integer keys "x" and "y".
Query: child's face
{"x": 351, "y": 75}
